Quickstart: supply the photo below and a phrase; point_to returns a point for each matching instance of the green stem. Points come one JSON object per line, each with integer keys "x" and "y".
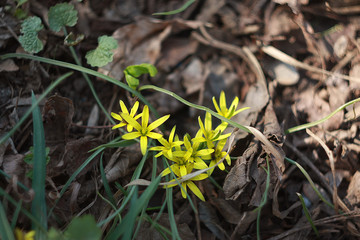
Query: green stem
{"x": 312, "y": 124}
{"x": 85, "y": 70}
{"x": 152, "y": 87}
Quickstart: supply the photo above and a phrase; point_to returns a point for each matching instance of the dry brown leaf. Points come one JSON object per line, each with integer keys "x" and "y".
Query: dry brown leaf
{"x": 147, "y": 231}
{"x": 353, "y": 191}
{"x": 208, "y": 217}
{"x": 75, "y": 154}
{"x": 225, "y": 208}
{"x": 141, "y": 42}
{"x": 8, "y": 65}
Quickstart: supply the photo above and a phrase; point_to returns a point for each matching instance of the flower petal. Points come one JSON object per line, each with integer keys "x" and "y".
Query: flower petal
{"x": 134, "y": 109}
{"x": 223, "y": 102}
{"x": 195, "y": 190}
{"x": 216, "y": 105}
{"x": 183, "y": 192}
{"x": 154, "y": 135}
{"x": 123, "y": 107}
{"x": 165, "y": 172}
{"x": 158, "y": 122}
{"x": 200, "y": 165}
{"x": 131, "y": 121}
{"x": 172, "y": 134}
{"x": 143, "y": 144}
{"x": 145, "y": 117}
{"x": 200, "y": 177}
{"x": 208, "y": 123}
{"x": 118, "y": 125}
{"x": 131, "y": 135}
{"x": 183, "y": 170}
{"x": 116, "y": 116}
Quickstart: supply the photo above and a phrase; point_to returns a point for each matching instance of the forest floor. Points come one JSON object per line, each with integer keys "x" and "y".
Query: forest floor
{"x": 291, "y": 62}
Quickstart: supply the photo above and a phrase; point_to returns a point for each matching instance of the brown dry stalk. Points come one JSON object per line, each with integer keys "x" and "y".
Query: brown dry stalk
{"x": 283, "y": 57}
{"x": 336, "y": 200}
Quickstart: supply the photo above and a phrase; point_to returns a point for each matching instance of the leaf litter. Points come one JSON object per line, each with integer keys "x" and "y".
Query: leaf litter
{"x": 212, "y": 46}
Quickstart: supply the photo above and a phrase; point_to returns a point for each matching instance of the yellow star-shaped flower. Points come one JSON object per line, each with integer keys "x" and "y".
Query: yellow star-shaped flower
{"x": 144, "y": 131}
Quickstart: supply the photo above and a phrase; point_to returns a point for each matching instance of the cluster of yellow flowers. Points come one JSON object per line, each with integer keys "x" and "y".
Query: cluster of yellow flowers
{"x": 203, "y": 151}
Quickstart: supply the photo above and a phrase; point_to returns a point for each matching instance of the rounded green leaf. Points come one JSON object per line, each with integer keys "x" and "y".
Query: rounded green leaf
{"x": 61, "y": 15}
{"x": 102, "y": 55}
{"x": 29, "y": 39}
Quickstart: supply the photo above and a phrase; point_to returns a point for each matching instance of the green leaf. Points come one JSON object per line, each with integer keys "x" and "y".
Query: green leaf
{"x": 83, "y": 227}
{"x": 102, "y": 55}
{"x": 134, "y": 71}
{"x": 61, "y": 15}
{"x": 38, "y": 205}
{"x": 5, "y": 229}
{"x": 20, "y": 2}
{"x": 29, "y": 39}
{"x": 138, "y": 70}
{"x": 179, "y": 10}
{"x": 54, "y": 234}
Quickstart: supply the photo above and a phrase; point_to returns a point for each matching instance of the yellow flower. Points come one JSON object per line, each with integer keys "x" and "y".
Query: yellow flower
{"x": 144, "y": 130}
{"x": 125, "y": 111}
{"x": 167, "y": 146}
{"x": 218, "y": 155}
{"x": 193, "y": 154}
{"x": 20, "y": 235}
{"x": 223, "y": 110}
{"x": 210, "y": 135}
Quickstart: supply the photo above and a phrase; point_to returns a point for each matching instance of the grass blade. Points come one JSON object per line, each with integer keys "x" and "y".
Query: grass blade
{"x": 179, "y": 10}
{"x": 137, "y": 204}
{"x": 263, "y": 199}
{"x": 307, "y": 214}
{"x": 38, "y": 205}
{"x": 106, "y": 183}
{"x": 312, "y": 124}
{"x": 310, "y": 181}
{"x": 85, "y": 70}
{"x": 5, "y": 229}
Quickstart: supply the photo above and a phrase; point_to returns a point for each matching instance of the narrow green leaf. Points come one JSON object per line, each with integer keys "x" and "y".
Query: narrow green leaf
{"x": 38, "y": 205}
{"x": 106, "y": 183}
{"x": 16, "y": 214}
{"x": 29, "y": 39}
{"x": 5, "y": 229}
{"x": 307, "y": 176}
{"x": 61, "y": 15}
{"x": 103, "y": 54}
{"x": 83, "y": 70}
{"x": 24, "y": 211}
{"x": 126, "y": 226}
{"x": 307, "y": 214}
{"x": 179, "y": 10}
{"x": 83, "y": 228}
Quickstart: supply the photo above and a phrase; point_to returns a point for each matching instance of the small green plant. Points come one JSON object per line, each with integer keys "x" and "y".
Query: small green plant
{"x": 186, "y": 159}
{"x": 203, "y": 151}
{"x": 29, "y": 39}
{"x": 102, "y": 55}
